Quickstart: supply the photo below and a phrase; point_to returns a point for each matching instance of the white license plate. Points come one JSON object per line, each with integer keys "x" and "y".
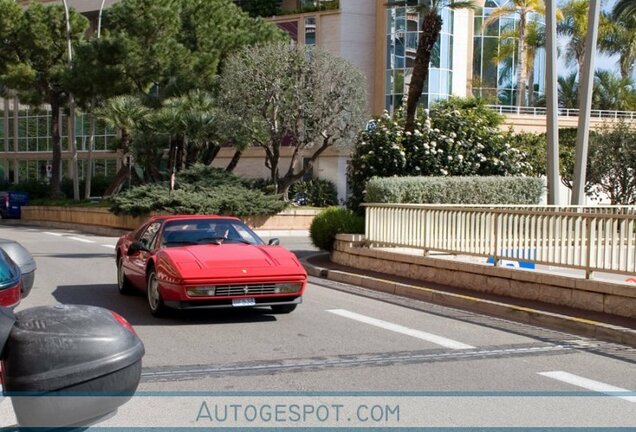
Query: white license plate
{"x": 243, "y": 302}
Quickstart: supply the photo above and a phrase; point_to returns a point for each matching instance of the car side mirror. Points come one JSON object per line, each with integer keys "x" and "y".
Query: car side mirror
{"x": 273, "y": 242}
{"x": 136, "y": 247}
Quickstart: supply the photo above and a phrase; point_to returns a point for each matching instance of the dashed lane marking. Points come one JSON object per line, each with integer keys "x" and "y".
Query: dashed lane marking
{"x": 589, "y": 384}
{"x": 429, "y": 337}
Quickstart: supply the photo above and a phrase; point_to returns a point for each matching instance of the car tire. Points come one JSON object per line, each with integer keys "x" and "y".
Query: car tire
{"x": 284, "y": 309}
{"x": 155, "y": 302}
{"x": 123, "y": 284}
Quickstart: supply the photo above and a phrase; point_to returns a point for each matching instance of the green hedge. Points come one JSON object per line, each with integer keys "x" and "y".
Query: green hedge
{"x": 332, "y": 221}
{"x": 455, "y": 190}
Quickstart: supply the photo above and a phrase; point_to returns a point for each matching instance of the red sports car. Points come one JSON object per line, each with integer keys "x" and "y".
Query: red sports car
{"x": 196, "y": 261}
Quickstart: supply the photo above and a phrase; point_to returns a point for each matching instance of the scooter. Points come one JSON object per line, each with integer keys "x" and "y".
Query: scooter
{"x": 67, "y": 366}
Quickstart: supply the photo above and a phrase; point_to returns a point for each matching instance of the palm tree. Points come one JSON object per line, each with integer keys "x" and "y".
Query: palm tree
{"x": 613, "y": 92}
{"x": 568, "y": 91}
{"x": 431, "y": 28}
{"x": 523, "y": 11}
{"x": 509, "y": 46}
{"x": 574, "y": 26}
{"x": 624, "y": 8}
{"x": 124, "y": 113}
{"x": 621, "y": 39}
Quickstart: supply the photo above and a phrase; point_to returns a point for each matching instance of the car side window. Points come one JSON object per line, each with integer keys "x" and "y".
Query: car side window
{"x": 148, "y": 236}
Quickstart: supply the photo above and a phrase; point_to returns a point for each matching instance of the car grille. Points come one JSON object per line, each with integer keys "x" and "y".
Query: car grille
{"x": 245, "y": 290}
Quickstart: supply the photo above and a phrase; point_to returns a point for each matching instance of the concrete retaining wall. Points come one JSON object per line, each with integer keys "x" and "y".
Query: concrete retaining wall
{"x": 599, "y": 296}
{"x": 294, "y": 219}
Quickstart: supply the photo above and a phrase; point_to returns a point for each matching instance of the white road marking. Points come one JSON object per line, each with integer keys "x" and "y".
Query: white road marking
{"x": 439, "y": 340}
{"x": 79, "y": 239}
{"x": 589, "y": 384}
{"x": 53, "y": 234}
{"x": 109, "y": 246}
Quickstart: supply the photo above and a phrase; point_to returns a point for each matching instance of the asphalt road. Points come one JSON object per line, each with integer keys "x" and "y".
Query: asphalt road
{"x": 346, "y": 357}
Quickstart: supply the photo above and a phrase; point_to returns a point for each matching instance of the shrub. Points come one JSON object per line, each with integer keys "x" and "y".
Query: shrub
{"x": 318, "y": 192}
{"x": 201, "y": 190}
{"x": 456, "y": 138}
{"x": 455, "y": 190}
{"x": 332, "y": 221}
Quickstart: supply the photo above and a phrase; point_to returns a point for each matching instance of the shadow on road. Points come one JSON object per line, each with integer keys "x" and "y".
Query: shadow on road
{"x": 134, "y": 307}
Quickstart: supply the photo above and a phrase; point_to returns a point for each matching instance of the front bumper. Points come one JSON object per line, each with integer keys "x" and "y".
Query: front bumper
{"x": 227, "y": 303}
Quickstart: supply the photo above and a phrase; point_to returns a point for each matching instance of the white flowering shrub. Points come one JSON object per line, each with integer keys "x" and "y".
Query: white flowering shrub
{"x": 459, "y": 137}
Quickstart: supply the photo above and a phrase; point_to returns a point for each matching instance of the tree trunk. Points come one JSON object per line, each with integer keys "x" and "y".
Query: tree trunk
{"x": 234, "y": 162}
{"x": 521, "y": 63}
{"x": 120, "y": 179}
{"x": 209, "y": 154}
{"x": 432, "y": 26}
{"x": 55, "y": 189}
{"x": 118, "y": 182}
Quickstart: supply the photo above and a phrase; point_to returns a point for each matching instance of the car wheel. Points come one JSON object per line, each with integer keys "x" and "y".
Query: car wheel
{"x": 283, "y": 309}
{"x": 155, "y": 302}
{"x": 122, "y": 282}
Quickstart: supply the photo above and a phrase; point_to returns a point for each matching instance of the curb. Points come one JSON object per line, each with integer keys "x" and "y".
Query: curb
{"x": 576, "y": 325}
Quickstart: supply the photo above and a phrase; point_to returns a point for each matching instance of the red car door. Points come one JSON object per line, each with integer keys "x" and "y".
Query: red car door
{"x": 136, "y": 263}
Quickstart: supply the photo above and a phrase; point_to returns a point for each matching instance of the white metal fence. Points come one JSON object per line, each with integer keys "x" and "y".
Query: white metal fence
{"x": 564, "y": 112}
{"x": 588, "y": 238}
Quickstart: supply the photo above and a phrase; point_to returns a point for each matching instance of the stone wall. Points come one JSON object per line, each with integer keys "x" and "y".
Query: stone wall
{"x": 293, "y": 219}
{"x": 599, "y": 296}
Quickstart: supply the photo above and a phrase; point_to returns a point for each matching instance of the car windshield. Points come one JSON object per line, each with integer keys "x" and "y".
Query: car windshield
{"x": 187, "y": 232}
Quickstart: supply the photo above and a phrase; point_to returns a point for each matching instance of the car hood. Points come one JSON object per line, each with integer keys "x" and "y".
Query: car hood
{"x": 233, "y": 261}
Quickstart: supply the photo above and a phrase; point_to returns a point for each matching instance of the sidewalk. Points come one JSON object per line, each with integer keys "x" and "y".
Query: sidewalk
{"x": 585, "y": 323}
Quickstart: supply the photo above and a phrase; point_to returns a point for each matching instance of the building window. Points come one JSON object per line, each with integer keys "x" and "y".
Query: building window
{"x": 310, "y": 31}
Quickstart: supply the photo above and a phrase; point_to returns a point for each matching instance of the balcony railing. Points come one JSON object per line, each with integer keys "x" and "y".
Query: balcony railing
{"x": 587, "y": 238}
{"x": 563, "y": 112}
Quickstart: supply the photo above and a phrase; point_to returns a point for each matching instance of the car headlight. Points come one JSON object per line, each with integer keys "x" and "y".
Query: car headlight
{"x": 204, "y": 291}
{"x": 290, "y": 287}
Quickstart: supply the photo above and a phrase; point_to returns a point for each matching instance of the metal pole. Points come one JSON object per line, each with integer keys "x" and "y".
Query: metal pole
{"x": 552, "y": 101}
{"x": 71, "y": 107}
{"x": 585, "y": 104}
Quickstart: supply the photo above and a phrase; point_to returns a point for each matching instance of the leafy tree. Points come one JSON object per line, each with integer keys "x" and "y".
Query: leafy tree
{"x": 37, "y": 50}
{"x": 431, "y": 28}
{"x": 523, "y": 10}
{"x": 260, "y": 8}
{"x": 534, "y": 146}
{"x": 10, "y": 15}
{"x": 175, "y": 46}
{"x": 291, "y": 96}
{"x": 612, "y": 164}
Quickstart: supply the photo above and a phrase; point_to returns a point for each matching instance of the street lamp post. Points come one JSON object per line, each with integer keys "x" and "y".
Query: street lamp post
{"x": 585, "y": 104}
{"x": 91, "y": 138}
{"x": 71, "y": 103}
{"x": 551, "y": 95}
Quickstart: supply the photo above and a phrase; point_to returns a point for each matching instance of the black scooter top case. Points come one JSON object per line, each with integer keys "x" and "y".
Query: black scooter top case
{"x": 72, "y": 348}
